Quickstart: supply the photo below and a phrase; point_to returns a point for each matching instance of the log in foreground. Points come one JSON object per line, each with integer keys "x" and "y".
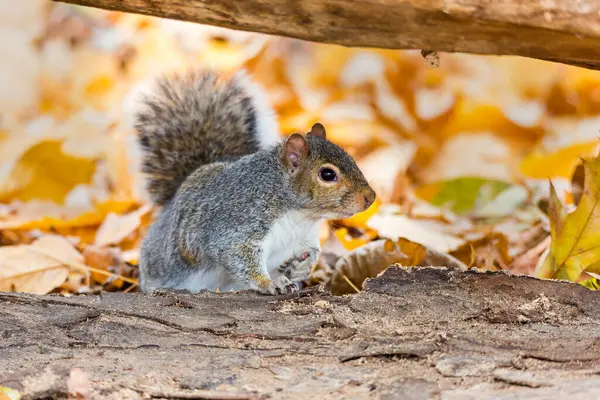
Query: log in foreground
{"x": 416, "y": 333}
{"x": 566, "y": 31}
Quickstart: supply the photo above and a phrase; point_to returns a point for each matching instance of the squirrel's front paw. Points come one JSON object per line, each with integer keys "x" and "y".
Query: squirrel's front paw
{"x": 280, "y": 285}
{"x": 299, "y": 268}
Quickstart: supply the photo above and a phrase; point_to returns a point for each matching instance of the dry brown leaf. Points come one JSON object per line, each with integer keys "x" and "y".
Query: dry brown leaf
{"x": 37, "y": 268}
{"x": 369, "y": 260}
{"x": 106, "y": 259}
{"x": 489, "y": 252}
{"x": 526, "y": 262}
{"x": 116, "y": 228}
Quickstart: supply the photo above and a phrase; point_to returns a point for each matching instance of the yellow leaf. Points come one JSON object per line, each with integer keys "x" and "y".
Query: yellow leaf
{"x": 7, "y": 393}
{"x": 360, "y": 220}
{"x": 351, "y": 243}
{"x": 557, "y": 164}
{"x": 70, "y": 220}
{"x": 53, "y": 100}
{"x": 99, "y": 85}
{"x": 592, "y": 283}
{"x": 469, "y": 116}
{"x": 50, "y": 174}
{"x": 575, "y": 244}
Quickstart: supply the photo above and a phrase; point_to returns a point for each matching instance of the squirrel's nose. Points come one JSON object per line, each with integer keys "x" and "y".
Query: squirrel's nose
{"x": 369, "y": 198}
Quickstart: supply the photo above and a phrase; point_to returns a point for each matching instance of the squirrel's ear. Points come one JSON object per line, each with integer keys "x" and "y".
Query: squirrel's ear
{"x": 317, "y": 130}
{"x": 296, "y": 151}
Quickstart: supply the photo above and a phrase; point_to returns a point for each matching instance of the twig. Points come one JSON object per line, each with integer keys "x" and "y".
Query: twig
{"x": 130, "y": 288}
{"x": 350, "y": 283}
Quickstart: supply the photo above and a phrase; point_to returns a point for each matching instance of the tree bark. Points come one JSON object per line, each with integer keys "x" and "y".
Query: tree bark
{"x": 420, "y": 333}
{"x": 566, "y": 31}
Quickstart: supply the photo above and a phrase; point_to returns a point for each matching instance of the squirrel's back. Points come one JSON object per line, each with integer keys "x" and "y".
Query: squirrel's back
{"x": 198, "y": 118}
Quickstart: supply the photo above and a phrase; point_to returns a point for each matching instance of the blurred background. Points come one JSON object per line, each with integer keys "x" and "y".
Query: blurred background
{"x": 460, "y": 151}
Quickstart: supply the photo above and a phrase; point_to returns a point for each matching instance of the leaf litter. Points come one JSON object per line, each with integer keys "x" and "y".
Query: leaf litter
{"x": 474, "y": 165}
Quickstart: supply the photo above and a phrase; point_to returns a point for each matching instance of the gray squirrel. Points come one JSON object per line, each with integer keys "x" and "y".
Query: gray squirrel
{"x": 240, "y": 205}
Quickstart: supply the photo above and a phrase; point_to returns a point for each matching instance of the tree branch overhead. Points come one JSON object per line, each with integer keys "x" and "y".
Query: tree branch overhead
{"x": 563, "y": 31}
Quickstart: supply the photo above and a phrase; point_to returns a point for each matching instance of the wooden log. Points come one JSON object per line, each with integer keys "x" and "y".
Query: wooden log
{"x": 417, "y": 333}
{"x": 566, "y": 31}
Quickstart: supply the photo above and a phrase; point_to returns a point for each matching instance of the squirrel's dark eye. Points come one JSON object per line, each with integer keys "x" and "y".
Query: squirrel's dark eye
{"x": 327, "y": 174}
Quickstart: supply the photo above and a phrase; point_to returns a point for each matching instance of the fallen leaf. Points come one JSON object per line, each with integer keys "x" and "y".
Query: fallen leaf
{"x": 489, "y": 252}
{"x": 462, "y": 195}
{"x": 526, "y": 262}
{"x": 46, "y": 216}
{"x": 592, "y": 283}
{"x": 351, "y": 242}
{"x": 473, "y": 117}
{"x": 505, "y": 203}
{"x": 115, "y": 227}
{"x": 360, "y": 220}
{"x": 478, "y": 154}
{"x": 106, "y": 259}
{"x": 575, "y": 243}
{"x": 49, "y": 173}
{"x": 431, "y": 103}
{"x": 560, "y": 163}
{"x": 7, "y": 393}
{"x": 381, "y": 167}
{"x": 39, "y": 267}
{"x": 368, "y": 261}
{"x": 395, "y": 226}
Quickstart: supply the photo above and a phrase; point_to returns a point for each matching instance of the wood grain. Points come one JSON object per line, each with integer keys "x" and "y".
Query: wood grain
{"x": 429, "y": 332}
{"x": 566, "y": 31}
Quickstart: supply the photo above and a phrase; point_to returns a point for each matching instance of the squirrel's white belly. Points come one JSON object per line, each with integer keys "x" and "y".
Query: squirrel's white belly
{"x": 290, "y": 235}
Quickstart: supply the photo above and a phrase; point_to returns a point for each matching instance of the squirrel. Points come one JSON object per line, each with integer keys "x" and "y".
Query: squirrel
{"x": 239, "y": 205}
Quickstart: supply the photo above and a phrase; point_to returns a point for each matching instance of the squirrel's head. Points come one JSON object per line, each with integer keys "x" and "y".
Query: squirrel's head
{"x": 325, "y": 175}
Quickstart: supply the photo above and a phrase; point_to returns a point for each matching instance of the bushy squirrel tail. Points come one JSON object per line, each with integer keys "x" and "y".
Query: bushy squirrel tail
{"x": 198, "y": 118}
